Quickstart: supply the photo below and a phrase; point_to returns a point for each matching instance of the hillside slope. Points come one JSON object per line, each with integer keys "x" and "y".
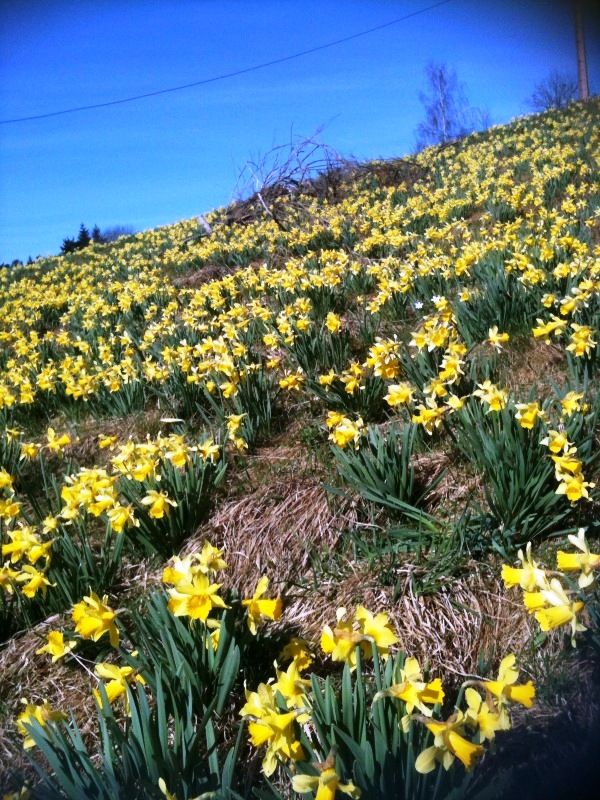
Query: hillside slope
{"x": 374, "y": 396}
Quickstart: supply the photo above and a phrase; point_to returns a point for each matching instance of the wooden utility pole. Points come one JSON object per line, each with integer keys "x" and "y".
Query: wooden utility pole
{"x": 584, "y": 89}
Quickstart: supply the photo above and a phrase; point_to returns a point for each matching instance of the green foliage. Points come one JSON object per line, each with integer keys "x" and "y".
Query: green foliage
{"x": 255, "y": 398}
{"x": 381, "y": 469}
{"x": 170, "y": 731}
{"x": 128, "y": 399}
{"x": 80, "y": 564}
{"x": 320, "y": 351}
{"x": 163, "y": 738}
{"x": 10, "y": 453}
{"x": 518, "y": 475}
{"x": 192, "y": 487}
{"x": 366, "y": 401}
{"x": 504, "y": 302}
{"x": 181, "y": 653}
{"x": 438, "y": 553}
{"x": 365, "y": 733}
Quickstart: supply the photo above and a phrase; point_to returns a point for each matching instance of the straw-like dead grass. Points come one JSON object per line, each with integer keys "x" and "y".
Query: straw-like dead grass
{"x": 67, "y": 685}
{"x": 471, "y": 615}
{"x": 535, "y": 367}
{"x": 272, "y": 532}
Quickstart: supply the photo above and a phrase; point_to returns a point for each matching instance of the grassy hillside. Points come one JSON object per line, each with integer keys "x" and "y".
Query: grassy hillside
{"x": 306, "y": 504}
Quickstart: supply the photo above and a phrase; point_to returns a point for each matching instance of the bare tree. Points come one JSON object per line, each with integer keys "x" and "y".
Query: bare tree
{"x": 448, "y": 115}
{"x": 286, "y": 172}
{"x": 555, "y": 91}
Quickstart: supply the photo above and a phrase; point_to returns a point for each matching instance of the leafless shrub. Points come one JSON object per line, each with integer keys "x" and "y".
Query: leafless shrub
{"x": 557, "y": 90}
{"x": 290, "y": 175}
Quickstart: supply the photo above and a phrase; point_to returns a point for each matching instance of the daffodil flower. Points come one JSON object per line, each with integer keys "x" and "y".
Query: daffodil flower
{"x": 414, "y": 691}
{"x": 497, "y": 339}
{"x": 488, "y": 393}
{"x": 195, "y": 599}
{"x": 120, "y": 516}
{"x": 298, "y": 650}
{"x": 93, "y": 618}
{"x": 506, "y": 689}
{"x": 268, "y": 725}
{"x": 326, "y": 785}
{"x": 560, "y": 610}
{"x": 56, "y": 646}
{"x": 40, "y": 713}
{"x": 528, "y": 414}
{"x": 117, "y": 679}
{"x": 399, "y": 394}
{"x": 291, "y": 686}
{"x": 528, "y": 577}
{"x": 158, "y": 503}
{"x": 575, "y": 487}
{"x": 259, "y": 607}
{"x": 449, "y": 743}
{"x": 362, "y": 629}
{"x": 211, "y": 559}
{"x": 584, "y": 561}
{"x": 33, "y": 581}
{"x": 481, "y": 716}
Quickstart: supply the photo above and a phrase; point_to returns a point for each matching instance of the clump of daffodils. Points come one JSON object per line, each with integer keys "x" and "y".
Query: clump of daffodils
{"x": 283, "y": 714}
{"x": 552, "y": 597}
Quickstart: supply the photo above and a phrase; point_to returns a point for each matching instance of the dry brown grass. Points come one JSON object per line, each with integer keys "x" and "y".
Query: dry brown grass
{"x": 67, "y": 685}
{"x": 273, "y": 530}
{"x": 534, "y": 367}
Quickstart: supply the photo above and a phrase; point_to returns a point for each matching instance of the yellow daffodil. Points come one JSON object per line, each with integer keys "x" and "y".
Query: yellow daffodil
{"x": 362, "y": 629}
{"x": 481, "y": 716}
{"x": 376, "y": 630}
{"x": 449, "y": 743}
{"x": 195, "y": 599}
{"x": 528, "y": 577}
{"x": 326, "y": 784}
{"x": 497, "y": 339}
{"x": 575, "y": 487}
{"x": 56, "y": 443}
{"x": 268, "y": 725}
{"x": 33, "y": 581}
{"x": 56, "y": 646}
{"x": 209, "y": 451}
{"x": 399, "y": 394}
{"x": 117, "y": 679}
{"x": 6, "y": 480}
{"x": 528, "y": 414}
{"x": 158, "y": 503}
{"x": 42, "y": 714}
{"x": 94, "y": 617}
{"x": 120, "y": 517}
{"x": 556, "y": 442}
{"x": 492, "y": 395}
{"x": 559, "y": 610}
{"x": 291, "y": 686}
{"x": 332, "y": 322}
{"x": 259, "y": 608}
{"x": 506, "y": 690}
{"x": 297, "y": 649}
{"x": 346, "y": 431}
{"x": 414, "y": 691}
{"x": 570, "y": 403}
{"x": 210, "y": 559}
{"x": 584, "y": 562}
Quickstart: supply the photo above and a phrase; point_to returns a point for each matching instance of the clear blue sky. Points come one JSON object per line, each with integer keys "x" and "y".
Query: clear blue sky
{"x": 170, "y": 157}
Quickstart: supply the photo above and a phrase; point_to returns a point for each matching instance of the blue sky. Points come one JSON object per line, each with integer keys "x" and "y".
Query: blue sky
{"x": 157, "y": 160}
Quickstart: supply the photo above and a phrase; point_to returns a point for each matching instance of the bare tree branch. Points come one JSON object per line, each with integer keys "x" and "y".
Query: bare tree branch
{"x": 448, "y": 115}
{"x": 555, "y": 91}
